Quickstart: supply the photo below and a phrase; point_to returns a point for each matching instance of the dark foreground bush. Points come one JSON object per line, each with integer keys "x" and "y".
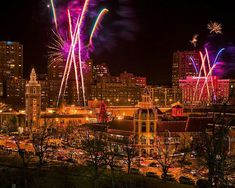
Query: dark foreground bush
{"x": 134, "y": 171}
{"x": 169, "y": 177}
{"x": 153, "y": 164}
{"x": 152, "y": 174}
{"x": 186, "y": 180}
{"x": 202, "y": 183}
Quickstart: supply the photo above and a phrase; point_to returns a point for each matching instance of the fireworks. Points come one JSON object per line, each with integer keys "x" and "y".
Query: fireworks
{"x": 70, "y": 42}
{"x": 205, "y": 73}
{"x": 54, "y": 13}
{"x": 194, "y": 40}
{"x": 96, "y": 25}
{"x": 194, "y": 64}
{"x": 215, "y": 27}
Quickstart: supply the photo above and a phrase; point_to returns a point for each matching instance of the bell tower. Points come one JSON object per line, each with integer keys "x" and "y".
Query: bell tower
{"x": 145, "y": 125}
{"x": 33, "y": 100}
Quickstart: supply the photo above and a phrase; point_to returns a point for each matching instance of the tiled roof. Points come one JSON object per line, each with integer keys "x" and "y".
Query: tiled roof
{"x": 197, "y": 124}
{"x": 192, "y": 124}
{"x": 120, "y": 132}
{"x": 172, "y": 126}
{"x": 125, "y": 125}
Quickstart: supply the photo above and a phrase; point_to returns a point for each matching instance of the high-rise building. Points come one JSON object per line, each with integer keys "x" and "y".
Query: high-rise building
{"x": 55, "y": 70}
{"x": 185, "y": 64}
{"x": 1, "y": 89}
{"x": 15, "y": 89}
{"x": 205, "y": 90}
{"x": 11, "y": 59}
{"x": 54, "y": 88}
{"x": 33, "y": 100}
{"x": 141, "y": 81}
{"x": 44, "y": 82}
{"x": 69, "y": 94}
{"x": 11, "y": 63}
{"x": 164, "y": 96}
{"x": 100, "y": 70}
{"x": 121, "y": 90}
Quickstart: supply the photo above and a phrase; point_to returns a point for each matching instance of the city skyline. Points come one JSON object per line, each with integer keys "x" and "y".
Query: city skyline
{"x": 117, "y": 93}
{"x": 148, "y": 53}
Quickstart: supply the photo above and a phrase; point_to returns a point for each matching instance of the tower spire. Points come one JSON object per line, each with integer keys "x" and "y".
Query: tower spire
{"x": 33, "y": 76}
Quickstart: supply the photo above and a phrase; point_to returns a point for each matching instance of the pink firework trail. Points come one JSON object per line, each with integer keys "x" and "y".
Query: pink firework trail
{"x": 207, "y": 73}
{"x": 68, "y": 64}
{"x": 74, "y": 59}
{"x": 203, "y": 58}
{"x": 73, "y": 49}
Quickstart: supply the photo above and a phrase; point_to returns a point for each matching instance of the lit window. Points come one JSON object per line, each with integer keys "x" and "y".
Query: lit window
{"x": 143, "y": 129}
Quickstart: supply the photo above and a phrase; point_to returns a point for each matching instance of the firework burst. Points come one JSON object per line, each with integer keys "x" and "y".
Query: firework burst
{"x": 194, "y": 40}
{"x": 69, "y": 43}
{"x": 214, "y": 27}
{"x": 205, "y": 73}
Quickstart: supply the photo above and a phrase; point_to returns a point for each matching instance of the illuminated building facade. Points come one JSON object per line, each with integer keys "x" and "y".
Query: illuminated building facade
{"x": 33, "y": 100}
{"x": 183, "y": 65}
{"x": 44, "y": 82}
{"x": 100, "y": 71}
{"x": 141, "y": 81}
{"x": 204, "y": 90}
{"x": 11, "y": 59}
{"x": 120, "y": 91}
{"x": 55, "y": 75}
{"x": 145, "y": 125}
{"x": 11, "y": 63}
{"x": 164, "y": 96}
{"x": 15, "y": 88}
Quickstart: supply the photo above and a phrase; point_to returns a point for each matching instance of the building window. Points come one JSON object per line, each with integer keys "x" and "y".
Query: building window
{"x": 151, "y": 127}
{"x": 136, "y": 127}
{"x": 143, "y": 141}
{"x": 151, "y": 140}
{"x": 143, "y": 128}
{"x": 143, "y": 152}
{"x": 34, "y": 90}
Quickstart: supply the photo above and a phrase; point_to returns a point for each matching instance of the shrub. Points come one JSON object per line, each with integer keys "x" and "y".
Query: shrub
{"x": 202, "y": 183}
{"x": 169, "y": 177}
{"x": 152, "y": 164}
{"x": 186, "y": 180}
{"x": 152, "y": 174}
{"x": 134, "y": 171}
{"x": 187, "y": 163}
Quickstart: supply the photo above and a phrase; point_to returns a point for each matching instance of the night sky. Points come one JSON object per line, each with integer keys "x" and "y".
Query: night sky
{"x": 160, "y": 28}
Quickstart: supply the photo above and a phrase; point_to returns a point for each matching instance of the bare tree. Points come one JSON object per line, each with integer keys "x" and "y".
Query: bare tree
{"x": 212, "y": 147}
{"x": 93, "y": 143}
{"x": 111, "y": 154}
{"x": 25, "y": 157}
{"x": 185, "y": 151}
{"x": 69, "y": 130}
{"x": 166, "y": 150}
{"x": 130, "y": 151}
{"x": 40, "y": 140}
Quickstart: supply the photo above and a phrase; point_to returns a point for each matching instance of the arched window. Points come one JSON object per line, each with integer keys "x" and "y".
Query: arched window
{"x": 136, "y": 127}
{"x": 143, "y": 128}
{"x": 151, "y": 127}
